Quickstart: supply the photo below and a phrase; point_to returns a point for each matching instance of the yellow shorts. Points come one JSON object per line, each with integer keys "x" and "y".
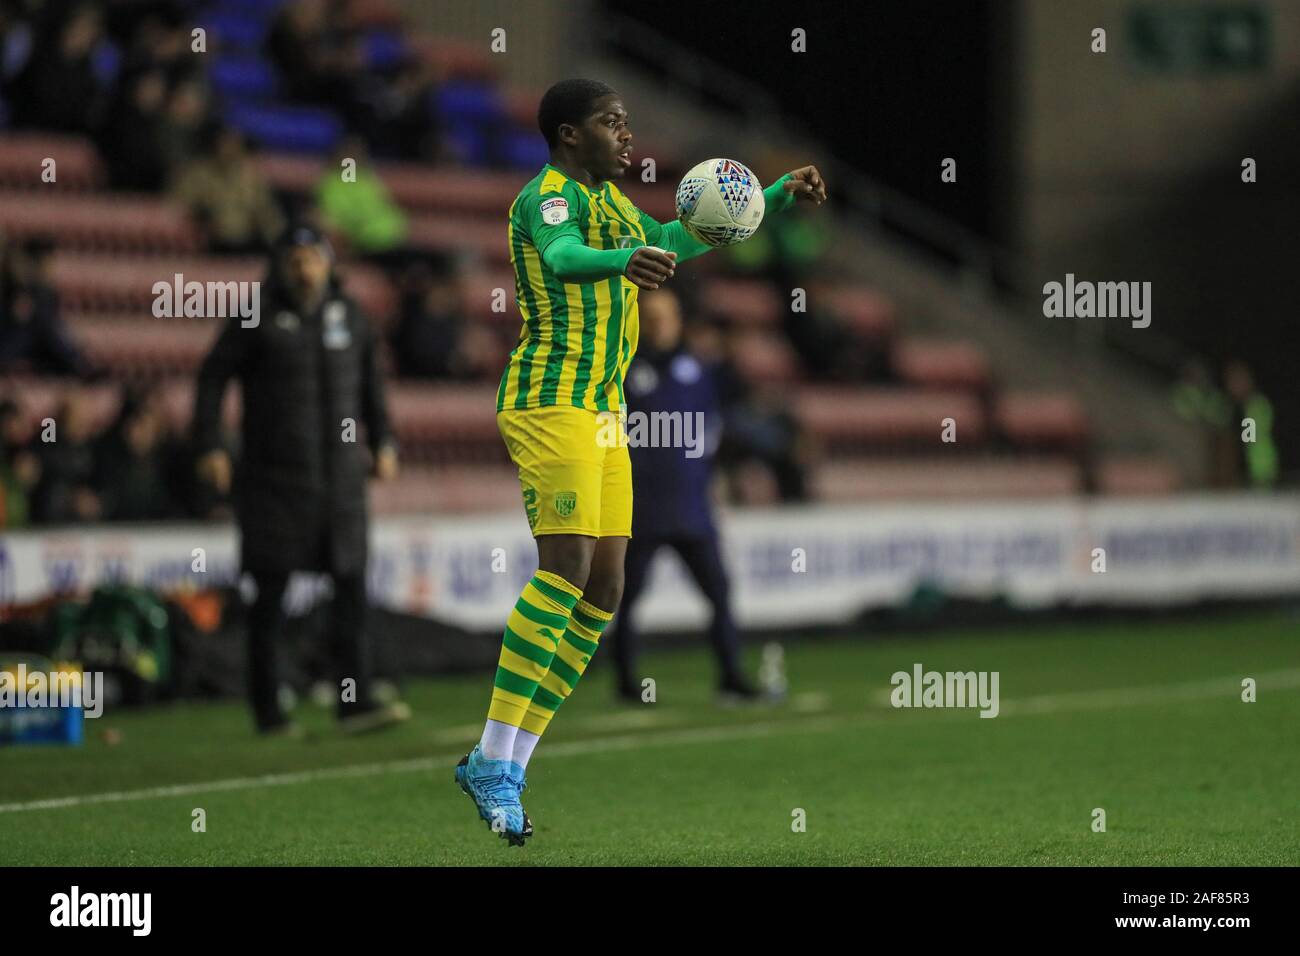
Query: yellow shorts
{"x": 574, "y": 469}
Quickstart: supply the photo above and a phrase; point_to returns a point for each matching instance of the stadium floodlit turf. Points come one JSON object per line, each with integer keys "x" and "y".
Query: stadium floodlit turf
{"x": 1143, "y": 719}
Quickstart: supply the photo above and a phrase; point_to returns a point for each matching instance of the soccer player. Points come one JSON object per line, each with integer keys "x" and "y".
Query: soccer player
{"x": 581, "y": 251}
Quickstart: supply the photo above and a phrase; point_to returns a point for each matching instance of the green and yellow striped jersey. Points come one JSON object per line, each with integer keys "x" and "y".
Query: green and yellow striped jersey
{"x": 577, "y": 338}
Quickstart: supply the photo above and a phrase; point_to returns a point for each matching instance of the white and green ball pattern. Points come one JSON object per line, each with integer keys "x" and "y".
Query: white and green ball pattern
{"x": 720, "y": 202}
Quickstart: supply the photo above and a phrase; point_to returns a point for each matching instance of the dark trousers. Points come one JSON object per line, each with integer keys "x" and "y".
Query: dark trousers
{"x": 348, "y": 648}
{"x": 703, "y": 559}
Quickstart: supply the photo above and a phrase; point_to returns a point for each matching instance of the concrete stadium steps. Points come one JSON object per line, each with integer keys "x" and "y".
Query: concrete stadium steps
{"x": 22, "y": 154}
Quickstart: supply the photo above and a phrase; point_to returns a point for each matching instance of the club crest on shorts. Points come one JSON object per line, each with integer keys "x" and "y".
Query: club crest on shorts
{"x": 565, "y": 502}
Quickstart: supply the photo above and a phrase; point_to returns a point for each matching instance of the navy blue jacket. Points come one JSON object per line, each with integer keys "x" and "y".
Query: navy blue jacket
{"x": 671, "y": 484}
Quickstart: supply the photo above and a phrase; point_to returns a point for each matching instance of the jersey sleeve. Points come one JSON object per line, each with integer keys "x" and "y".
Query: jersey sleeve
{"x": 673, "y": 237}
{"x": 549, "y": 213}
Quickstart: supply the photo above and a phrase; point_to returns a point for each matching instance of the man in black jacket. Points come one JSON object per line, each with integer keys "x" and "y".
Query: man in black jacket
{"x": 307, "y": 365}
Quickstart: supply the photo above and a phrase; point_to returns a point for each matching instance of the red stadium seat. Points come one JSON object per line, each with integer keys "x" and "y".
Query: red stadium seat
{"x": 764, "y": 358}
{"x": 22, "y": 157}
{"x": 865, "y": 310}
{"x": 449, "y": 489}
{"x": 99, "y": 223}
{"x": 460, "y": 235}
{"x": 1041, "y": 420}
{"x": 935, "y": 364}
{"x": 859, "y": 479}
{"x": 1137, "y": 476}
{"x": 742, "y": 301}
{"x": 854, "y": 418}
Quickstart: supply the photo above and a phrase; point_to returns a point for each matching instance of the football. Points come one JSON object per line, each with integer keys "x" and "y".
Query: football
{"x": 720, "y": 202}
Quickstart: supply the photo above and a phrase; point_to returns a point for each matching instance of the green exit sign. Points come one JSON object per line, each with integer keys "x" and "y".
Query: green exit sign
{"x": 1200, "y": 37}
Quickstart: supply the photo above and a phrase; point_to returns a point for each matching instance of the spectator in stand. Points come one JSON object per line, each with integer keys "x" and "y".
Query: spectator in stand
{"x": 184, "y": 120}
{"x": 1252, "y": 415}
{"x": 433, "y": 338}
{"x": 66, "y": 491}
{"x": 132, "y": 147}
{"x": 59, "y": 89}
{"x": 359, "y": 209}
{"x": 20, "y": 469}
{"x": 17, "y": 38}
{"x": 227, "y": 196}
{"x": 319, "y": 59}
{"x": 135, "y": 462}
{"x": 1199, "y": 400}
{"x": 762, "y": 436}
{"x": 32, "y": 335}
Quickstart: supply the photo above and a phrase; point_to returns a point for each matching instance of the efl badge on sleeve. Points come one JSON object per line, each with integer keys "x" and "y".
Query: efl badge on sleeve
{"x": 555, "y": 211}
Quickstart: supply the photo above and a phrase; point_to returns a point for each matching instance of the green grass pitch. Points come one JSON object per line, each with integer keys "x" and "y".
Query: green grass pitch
{"x": 1144, "y": 720}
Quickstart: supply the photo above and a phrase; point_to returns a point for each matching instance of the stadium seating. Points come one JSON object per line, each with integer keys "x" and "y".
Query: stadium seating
{"x": 876, "y": 442}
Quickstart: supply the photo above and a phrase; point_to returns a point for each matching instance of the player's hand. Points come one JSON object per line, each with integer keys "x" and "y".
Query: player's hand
{"x": 806, "y": 183}
{"x": 650, "y": 267}
{"x": 214, "y": 468}
{"x": 386, "y": 463}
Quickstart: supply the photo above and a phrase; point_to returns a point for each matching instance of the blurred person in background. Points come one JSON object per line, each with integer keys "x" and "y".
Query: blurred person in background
{"x": 361, "y": 211}
{"x": 1198, "y": 399}
{"x": 1257, "y": 460}
{"x": 308, "y": 368}
{"x": 227, "y": 196}
{"x": 434, "y": 338}
{"x": 132, "y": 144}
{"x": 319, "y": 58}
{"x": 763, "y": 439}
{"x": 134, "y": 462}
{"x": 672, "y": 493}
{"x": 20, "y": 468}
{"x": 33, "y": 337}
{"x": 66, "y": 492}
{"x": 59, "y": 89}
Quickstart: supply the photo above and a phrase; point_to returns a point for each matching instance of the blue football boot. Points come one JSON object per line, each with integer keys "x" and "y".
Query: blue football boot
{"x": 494, "y": 786}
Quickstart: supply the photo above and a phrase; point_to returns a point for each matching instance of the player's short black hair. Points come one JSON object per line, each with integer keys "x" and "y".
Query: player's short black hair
{"x": 568, "y": 101}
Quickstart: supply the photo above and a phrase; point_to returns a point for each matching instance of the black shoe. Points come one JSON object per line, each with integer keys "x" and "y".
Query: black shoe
{"x": 737, "y": 690}
{"x": 376, "y": 718}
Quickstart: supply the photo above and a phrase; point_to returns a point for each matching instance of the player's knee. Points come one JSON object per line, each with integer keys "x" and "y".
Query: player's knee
{"x": 569, "y": 556}
{"x": 604, "y": 589}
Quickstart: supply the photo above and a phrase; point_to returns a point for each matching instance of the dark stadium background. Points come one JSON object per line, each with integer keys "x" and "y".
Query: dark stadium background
{"x": 1123, "y": 683}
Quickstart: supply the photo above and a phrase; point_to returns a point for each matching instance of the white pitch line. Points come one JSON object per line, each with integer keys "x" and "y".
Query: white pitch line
{"x": 1046, "y": 703}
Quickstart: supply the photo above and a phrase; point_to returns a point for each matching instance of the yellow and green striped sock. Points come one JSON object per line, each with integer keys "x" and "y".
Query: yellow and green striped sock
{"x": 577, "y": 646}
{"x": 528, "y": 646}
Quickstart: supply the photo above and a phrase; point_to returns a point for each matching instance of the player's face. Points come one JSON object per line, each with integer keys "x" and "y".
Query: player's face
{"x": 606, "y": 139}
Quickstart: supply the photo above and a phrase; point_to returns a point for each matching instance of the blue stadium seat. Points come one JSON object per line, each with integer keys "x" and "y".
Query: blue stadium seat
{"x": 243, "y": 77}
{"x": 383, "y": 50}
{"x": 526, "y": 149}
{"x": 292, "y": 129}
{"x": 472, "y": 116}
{"x": 235, "y": 31}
